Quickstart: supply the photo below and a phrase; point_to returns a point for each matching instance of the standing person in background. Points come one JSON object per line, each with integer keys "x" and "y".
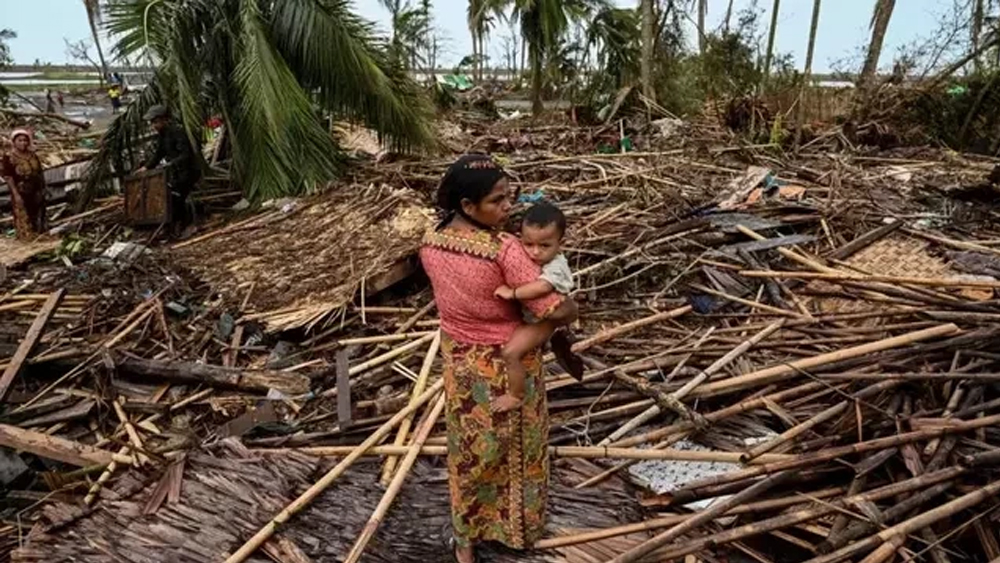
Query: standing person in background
{"x": 22, "y": 170}
{"x": 50, "y": 104}
{"x": 183, "y": 170}
{"x": 60, "y": 99}
{"x": 116, "y": 98}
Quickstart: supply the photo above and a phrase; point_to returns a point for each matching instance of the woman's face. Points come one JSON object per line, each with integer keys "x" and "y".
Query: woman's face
{"x": 493, "y": 210}
{"x": 21, "y": 142}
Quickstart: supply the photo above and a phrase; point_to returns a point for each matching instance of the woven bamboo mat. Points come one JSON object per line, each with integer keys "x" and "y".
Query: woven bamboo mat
{"x": 897, "y": 256}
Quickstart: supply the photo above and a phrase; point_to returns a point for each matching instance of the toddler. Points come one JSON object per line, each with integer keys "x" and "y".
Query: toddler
{"x": 542, "y": 231}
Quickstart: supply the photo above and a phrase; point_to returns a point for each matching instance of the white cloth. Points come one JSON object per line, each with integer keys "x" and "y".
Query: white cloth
{"x": 558, "y": 274}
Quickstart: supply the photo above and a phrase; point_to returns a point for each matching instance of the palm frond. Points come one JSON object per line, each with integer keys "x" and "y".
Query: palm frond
{"x": 337, "y": 54}
{"x": 278, "y": 140}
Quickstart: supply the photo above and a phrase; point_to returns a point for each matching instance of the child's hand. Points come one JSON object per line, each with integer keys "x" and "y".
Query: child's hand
{"x": 504, "y": 292}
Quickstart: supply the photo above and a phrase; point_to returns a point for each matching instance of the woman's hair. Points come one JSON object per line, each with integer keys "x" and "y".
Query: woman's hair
{"x": 471, "y": 177}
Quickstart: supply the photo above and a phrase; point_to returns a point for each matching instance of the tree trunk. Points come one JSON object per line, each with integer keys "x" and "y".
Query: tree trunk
{"x": 702, "y": 12}
{"x": 647, "y": 49}
{"x": 770, "y": 45}
{"x": 482, "y": 55}
{"x": 475, "y": 54}
{"x": 807, "y": 73}
{"x": 537, "y": 107}
{"x": 729, "y": 16}
{"x": 880, "y": 22}
{"x": 976, "y": 30}
{"x": 91, "y": 17}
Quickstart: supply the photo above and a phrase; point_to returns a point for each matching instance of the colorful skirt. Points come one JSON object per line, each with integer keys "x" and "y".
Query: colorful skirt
{"x": 498, "y": 464}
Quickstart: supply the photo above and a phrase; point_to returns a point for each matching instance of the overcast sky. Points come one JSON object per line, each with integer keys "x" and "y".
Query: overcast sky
{"x": 41, "y": 26}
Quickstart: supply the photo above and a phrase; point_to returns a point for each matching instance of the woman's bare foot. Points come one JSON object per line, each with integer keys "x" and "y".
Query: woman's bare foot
{"x": 465, "y": 554}
{"x": 505, "y": 403}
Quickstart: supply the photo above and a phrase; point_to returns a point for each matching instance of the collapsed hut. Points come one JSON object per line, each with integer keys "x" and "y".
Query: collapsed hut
{"x": 790, "y": 358}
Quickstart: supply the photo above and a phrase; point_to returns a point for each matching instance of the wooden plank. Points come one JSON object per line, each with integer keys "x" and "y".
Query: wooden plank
{"x": 343, "y": 389}
{"x": 59, "y": 449}
{"x": 29, "y": 341}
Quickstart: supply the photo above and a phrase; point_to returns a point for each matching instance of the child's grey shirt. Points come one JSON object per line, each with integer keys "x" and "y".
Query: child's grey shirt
{"x": 558, "y": 274}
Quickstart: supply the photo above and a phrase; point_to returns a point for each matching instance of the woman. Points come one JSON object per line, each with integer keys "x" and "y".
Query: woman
{"x": 498, "y": 466}
{"x": 22, "y": 170}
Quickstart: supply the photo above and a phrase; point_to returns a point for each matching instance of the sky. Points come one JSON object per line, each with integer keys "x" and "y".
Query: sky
{"x": 42, "y": 25}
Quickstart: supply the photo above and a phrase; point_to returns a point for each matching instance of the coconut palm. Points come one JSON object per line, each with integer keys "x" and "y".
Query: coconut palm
{"x": 543, "y": 24}
{"x": 879, "y": 24}
{"x": 94, "y": 17}
{"x": 613, "y": 35}
{"x": 481, "y": 16}
{"x": 269, "y": 69}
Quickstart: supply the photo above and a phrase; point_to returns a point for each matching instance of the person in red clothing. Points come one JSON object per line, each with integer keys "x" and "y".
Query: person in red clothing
{"x": 502, "y": 453}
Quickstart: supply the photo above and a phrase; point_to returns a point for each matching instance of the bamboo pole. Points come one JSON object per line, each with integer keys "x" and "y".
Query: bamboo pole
{"x": 792, "y": 518}
{"x": 858, "y": 528}
{"x": 890, "y": 539}
{"x": 775, "y": 373}
{"x": 749, "y": 303}
{"x": 663, "y": 522}
{"x": 575, "y": 452}
{"x": 619, "y": 330}
{"x": 397, "y": 483}
{"x": 305, "y": 498}
{"x": 383, "y": 358}
{"x": 700, "y": 518}
{"x": 859, "y": 278}
{"x": 808, "y": 460}
{"x": 821, "y": 417}
{"x": 679, "y": 431}
{"x": 418, "y": 388}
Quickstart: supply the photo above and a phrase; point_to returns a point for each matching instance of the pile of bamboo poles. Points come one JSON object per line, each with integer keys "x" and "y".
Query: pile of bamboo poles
{"x": 850, "y": 405}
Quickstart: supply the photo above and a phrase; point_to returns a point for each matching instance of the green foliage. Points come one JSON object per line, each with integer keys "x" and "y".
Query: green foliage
{"x": 5, "y": 59}
{"x": 270, "y": 69}
{"x": 963, "y": 115}
{"x": 544, "y": 24}
{"x": 614, "y": 36}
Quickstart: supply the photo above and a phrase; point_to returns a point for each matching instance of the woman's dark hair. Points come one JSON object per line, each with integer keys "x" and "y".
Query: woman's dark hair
{"x": 471, "y": 177}
{"x": 543, "y": 214}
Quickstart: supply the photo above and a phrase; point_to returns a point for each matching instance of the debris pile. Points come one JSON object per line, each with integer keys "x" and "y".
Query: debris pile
{"x": 786, "y": 356}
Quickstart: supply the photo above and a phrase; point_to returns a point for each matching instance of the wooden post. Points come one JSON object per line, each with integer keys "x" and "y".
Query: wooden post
{"x": 343, "y": 390}
{"x": 28, "y": 343}
{"x": 59, "y": 449}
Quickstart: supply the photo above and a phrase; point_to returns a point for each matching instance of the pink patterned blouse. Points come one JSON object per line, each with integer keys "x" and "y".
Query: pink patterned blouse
{"x": 465, "y": 268}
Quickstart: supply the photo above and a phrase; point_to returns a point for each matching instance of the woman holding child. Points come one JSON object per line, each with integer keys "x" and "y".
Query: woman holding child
{"x": 497, "y": 434}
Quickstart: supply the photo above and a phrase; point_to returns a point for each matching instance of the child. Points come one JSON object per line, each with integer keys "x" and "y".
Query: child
{"x": 542, "y": 231}
{"x": 116, "y": 98}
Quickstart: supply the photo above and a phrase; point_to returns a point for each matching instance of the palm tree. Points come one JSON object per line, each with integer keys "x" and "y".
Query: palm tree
{"x": 481, "y": 15}
{"x": 543, "y": 24}
{"x": 976, "y": 29}
{"x": 613, "y": 35}
{"x": 807, "y": 73}
{"x": 268, "y": 69}
{"x": 880, "y": 23}
{"x": 94, "y": 17}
